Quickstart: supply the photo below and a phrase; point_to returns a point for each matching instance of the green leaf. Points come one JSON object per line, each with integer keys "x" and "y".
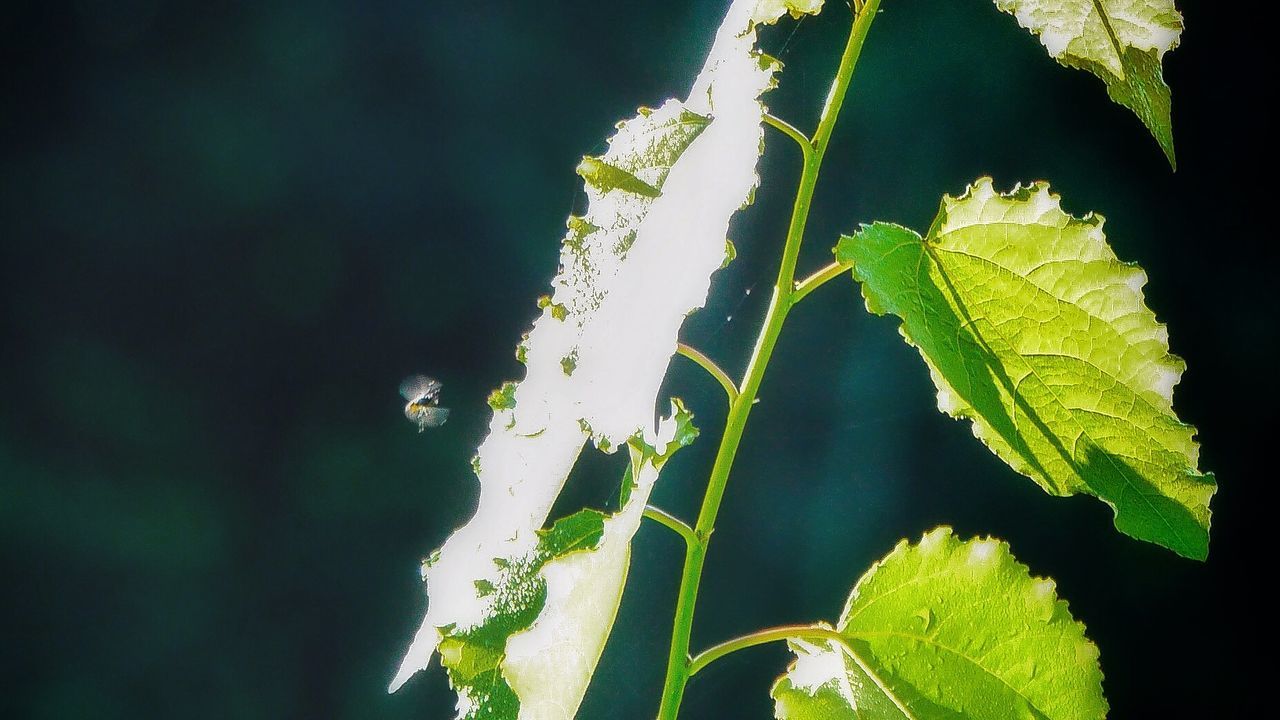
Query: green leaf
{"x": 1034, "y": 330}
{"x": 1120, "y": 41}
{"x": 683, "y": 434}
{"x": 669, "y": 139}
{"x": 949, "y": 630}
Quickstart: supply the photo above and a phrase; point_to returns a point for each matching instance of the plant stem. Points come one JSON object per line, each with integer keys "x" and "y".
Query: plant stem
{"x": 711, "y": 367}
{"x": 678, "y": 661}
{"x": 671, "y": 521}
{"x": 786, "y": 128}
{"x": 818, "y": 279}
{"x": 844, "y": 75}
{"x": 760, "y": 637}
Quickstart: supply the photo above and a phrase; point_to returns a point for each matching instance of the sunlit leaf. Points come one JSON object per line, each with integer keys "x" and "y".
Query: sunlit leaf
{"x": 947, "y": 630}
{"x": 1034, "y": 330}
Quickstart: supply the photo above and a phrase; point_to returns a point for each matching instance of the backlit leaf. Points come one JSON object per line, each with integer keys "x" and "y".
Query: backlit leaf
{"x": 1120, "y": 41}
{"x": 947, "y": 630}
{"x": 1034, "y": 330}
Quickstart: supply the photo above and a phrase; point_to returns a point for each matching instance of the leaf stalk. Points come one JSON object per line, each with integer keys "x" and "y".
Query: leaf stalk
{"x": 662, "y": 517}
{"x": 712, "y": 368}
{"x": 761, "y": 637}
{"x": 786, "y": 128}
{"x": 818, "y": 279}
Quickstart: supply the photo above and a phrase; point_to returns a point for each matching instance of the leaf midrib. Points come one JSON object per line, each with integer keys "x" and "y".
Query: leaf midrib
{"x": 1111, "y": 35}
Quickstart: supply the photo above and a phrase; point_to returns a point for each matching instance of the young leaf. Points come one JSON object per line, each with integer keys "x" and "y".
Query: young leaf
{"x": 1120, "y": 41}
{"x": 520, "y": 627}
{"x": 947, "y": 629}
{"x": 1034, "y": 330}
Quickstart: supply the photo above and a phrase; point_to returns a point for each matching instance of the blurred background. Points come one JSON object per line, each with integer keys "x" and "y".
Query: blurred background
{"x": 228, "y": 230}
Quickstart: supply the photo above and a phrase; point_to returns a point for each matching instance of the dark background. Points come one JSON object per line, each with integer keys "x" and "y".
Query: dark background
{"x": 228, "y": 230}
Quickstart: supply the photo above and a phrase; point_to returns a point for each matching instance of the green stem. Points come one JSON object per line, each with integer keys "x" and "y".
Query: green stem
{"x": 760, "y": 637}
{"x": 818, "y": 279}
{"x": 844, "y": 75}
{"x": 678, "y": 661}
{"x": 786, "y": 128}
{"x": 713, "y": 369}
{"x": 663, "y": 517}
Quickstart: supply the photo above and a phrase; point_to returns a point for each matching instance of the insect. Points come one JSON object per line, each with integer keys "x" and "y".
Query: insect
{"x": 422, "y": 395}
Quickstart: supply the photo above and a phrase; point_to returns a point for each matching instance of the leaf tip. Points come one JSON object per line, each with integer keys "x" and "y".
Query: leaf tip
{"x": 1166, "y": 144}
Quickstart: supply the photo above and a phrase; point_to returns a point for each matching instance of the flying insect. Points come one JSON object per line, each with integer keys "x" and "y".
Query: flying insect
{"x": 422, "y": 397}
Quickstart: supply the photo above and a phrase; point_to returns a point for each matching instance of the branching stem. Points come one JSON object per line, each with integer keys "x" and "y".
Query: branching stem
{"x": 674, "y": 523}
{"x": 818, "y": 279}
{"x": 760, "y": 637}
{"x": 712, "y": 368}
{"x": 679, "y": 662}
{"x": 786, "y": 128}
